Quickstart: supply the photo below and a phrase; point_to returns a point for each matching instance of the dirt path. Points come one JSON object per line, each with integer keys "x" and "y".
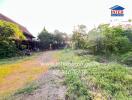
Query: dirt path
{"x": 50, "y": 83}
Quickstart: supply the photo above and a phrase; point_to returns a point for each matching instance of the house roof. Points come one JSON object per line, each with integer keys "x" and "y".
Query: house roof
{"x": 117, "y": 7}
{"x": 24, "y": 30}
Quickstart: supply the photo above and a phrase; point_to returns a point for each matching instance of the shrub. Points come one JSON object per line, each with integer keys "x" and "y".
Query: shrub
{"x": 105, "y": 40}
{"x": 9, "y": 32}
{"x": 127, "y": 58}
{"x": 7, "y": 49}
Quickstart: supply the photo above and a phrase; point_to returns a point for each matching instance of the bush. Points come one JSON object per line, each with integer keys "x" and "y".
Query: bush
{"x": 127, "y": 58}
{"x": 9, "y": 32}
{"x": 105, "y": 40}
{"x": 7, "y": 49}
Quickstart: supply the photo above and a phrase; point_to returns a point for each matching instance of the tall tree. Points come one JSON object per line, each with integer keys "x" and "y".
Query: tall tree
{"x": 45, "y": 38}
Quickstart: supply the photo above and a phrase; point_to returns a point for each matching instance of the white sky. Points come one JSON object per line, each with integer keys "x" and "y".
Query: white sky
{"x": 61, "y": 14}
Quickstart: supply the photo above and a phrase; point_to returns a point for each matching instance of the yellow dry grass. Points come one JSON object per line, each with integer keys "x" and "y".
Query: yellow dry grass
{"x": 15, "y": 76}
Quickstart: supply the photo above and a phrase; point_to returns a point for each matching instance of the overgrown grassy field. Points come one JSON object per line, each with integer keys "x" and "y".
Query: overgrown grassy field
{"x": 17, "y": 73}
{"x": 86, "y": 78}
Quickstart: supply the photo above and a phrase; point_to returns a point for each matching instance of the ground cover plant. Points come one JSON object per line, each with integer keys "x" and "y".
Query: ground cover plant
{"x": 88, "y": 79}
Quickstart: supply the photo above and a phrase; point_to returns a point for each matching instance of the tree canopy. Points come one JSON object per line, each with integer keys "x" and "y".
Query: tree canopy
{"x": 8, "y": 32}
{"x": 8, "y": 29}
{"x": 104, "y": 39}
{"x": 47, "y": 39}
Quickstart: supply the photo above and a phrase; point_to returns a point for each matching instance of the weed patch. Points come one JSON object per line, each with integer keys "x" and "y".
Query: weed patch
{"x": 94, "y": 80}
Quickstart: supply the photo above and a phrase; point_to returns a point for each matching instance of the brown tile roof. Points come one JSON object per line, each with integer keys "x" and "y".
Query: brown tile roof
{"x": 25, "y": 31}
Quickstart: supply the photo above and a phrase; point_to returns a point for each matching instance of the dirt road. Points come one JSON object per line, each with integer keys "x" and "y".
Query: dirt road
{"x": 50, "y": 83}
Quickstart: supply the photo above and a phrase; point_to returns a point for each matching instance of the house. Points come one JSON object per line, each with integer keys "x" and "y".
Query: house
{"x": 27, "y": 34}
{"x": 117, "y": 10}
{"x": 29, "y": 42}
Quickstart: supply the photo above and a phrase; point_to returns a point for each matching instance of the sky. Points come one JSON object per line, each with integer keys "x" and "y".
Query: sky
{"x": 62, "y": 14}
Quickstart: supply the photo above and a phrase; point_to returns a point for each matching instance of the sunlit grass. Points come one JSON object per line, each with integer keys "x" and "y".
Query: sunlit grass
{"x": 6, "y": 70}
{"x": 15, "y": 76}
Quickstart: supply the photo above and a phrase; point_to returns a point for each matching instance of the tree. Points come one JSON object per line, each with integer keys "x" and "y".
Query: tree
{"x": 60, "y": 39}
{"x": 8, "y": 32}
{"x": 94, "y": 41}
{"x": 78, "y": 36}
{"x": 106, "y": 39}
{"x": 54, "y": 40}
{"x": 128, "y": 34}
{"x": 45, "y": 38}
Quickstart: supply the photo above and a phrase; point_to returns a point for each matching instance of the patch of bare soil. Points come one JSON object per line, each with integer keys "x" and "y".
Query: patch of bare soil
{"x": 51, "y": 85}
{"x": 50, "y": 88}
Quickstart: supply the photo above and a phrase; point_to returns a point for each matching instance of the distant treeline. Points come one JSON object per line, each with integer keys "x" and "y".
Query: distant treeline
{"x": 14, "y": 43}
{"x": 105, "y": 40}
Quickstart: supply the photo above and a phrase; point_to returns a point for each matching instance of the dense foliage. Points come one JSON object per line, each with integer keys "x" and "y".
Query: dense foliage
{"x": 51, "y": 40}
{"x": 45, "y": 39}
{"x": 105, "y": 40}
{"x": 127, "y": 58}
{"x": 9, "y": 32}
{"x": 78, "y": 37}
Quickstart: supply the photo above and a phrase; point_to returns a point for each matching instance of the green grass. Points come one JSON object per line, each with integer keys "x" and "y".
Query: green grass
{"x": 17, "y": 59}
{"x": 90, "y": 78}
